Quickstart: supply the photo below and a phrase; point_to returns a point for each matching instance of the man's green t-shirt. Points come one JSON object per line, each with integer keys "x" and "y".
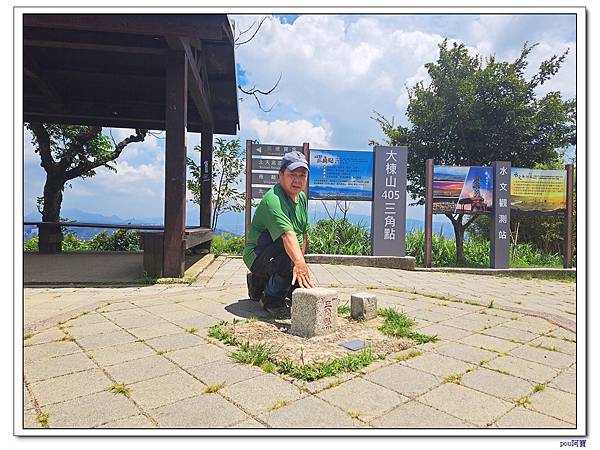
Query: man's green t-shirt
{"x": 276, "y": 214}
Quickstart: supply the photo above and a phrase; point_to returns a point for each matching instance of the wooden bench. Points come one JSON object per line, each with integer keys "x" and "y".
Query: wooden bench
{"x": 195, "y": 238}
{"x": 152, "y": 243}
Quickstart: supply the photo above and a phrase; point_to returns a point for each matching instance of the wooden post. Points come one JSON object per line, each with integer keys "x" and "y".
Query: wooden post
{"x": 248, "y": 214}
{"x": 428, "y": 212}
{"x": 175, "y": 168}
{"x": 568, "y": 253}
{"x": 206, "y": 142}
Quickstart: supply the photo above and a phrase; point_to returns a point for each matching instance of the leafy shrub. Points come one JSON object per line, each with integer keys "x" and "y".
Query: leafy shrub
{"x": 227, "y": 244}
{"x": 121, "y": 240}
{"x": 31, "y": 245}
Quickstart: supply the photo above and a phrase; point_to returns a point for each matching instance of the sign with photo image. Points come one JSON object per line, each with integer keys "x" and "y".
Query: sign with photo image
{"x": 462, "y": 190}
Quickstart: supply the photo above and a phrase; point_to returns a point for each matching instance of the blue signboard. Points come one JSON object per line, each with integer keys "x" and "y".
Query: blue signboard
{"x": 341, "y": 175}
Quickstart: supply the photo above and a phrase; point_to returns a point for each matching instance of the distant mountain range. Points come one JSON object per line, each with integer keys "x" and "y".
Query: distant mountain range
{"x": 232, "y": 223}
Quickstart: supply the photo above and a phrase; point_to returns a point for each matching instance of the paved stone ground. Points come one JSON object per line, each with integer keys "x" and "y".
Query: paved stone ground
{"x": 502, "y": 339}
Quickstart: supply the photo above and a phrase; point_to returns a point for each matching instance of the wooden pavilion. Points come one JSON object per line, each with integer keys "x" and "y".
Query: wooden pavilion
{"x": 172, "y": 72}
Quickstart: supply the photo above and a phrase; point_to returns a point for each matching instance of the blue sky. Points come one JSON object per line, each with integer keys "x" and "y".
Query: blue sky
{"x": 336, "y": 71}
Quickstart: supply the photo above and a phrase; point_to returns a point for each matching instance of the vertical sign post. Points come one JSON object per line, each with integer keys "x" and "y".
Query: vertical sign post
{"x": 388, "y": 209}
{"x": 500, "y": 224}
{"x": 568, "y": 261}
{"x": 428, "y": 211}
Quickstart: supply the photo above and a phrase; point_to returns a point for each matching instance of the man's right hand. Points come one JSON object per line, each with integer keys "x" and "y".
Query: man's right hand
{"x": 302, "y": 275}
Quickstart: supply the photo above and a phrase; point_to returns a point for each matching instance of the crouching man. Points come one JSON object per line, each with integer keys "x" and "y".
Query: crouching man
{"x": 277, "y": 239}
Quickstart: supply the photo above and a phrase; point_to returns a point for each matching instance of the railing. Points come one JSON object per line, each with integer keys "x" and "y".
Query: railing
{"x": 105, "y": 225}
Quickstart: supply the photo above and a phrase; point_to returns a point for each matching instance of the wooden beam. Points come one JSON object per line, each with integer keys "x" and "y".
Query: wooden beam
{"x": 568, "y": 253}
{"x": 199, "y": 85}
{"x": 32, "y": 70}
{"x": 94, "y": 47}
{"x": 206, "y": 142}
{"x": 175, "y": 167}
{"x": 198, "y": 26}
{"x": 248, "y": 211}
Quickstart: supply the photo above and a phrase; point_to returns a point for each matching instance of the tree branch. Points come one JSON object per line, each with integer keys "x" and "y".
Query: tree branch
{"x": 85, "y": 167}
{"x": 43, "y": 139}
{"x": 237, "y": 44}
{"x": 255, "y": 92}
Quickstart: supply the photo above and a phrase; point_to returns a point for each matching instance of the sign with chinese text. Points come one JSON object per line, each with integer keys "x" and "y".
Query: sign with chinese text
{"x": 388, "y": 209}
{"x": 500, "y": 224}
{"x": 265, "y": 163}
{"x": 538, "y": 191}
{"x": 340, "y": 175}
{"x": 462, "y": 190}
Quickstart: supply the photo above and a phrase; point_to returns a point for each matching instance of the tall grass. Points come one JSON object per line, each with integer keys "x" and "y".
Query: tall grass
{"x": 339, "y": 237}
{"x": 227, "y": 244}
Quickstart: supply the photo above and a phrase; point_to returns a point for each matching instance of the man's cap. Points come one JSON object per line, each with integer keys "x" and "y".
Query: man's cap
{"x": 293, "y": 160}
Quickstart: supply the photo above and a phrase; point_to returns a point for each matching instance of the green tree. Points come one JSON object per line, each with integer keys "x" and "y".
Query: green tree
{"x": 68, "y": 152}
{"x": 477, "y": 111}
{"x": 228, "y": 165}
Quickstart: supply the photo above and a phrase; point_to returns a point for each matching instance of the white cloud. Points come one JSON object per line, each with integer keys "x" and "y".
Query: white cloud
{"x": 291, "y": 132}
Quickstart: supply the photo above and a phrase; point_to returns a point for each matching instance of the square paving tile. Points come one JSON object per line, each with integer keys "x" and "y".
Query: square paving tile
{"x": 70, "y": 386}
{"x": 534, "y": 325}
{"x": 165, "y": 389}
{"x": 523, "y": 368}
{"x": 224, "y": 371}
{"x": 116, "y": 354}
{"x": 504, "y": 386}
{"x": 49, "y": 350}
{"x": 309, "y": 412}
{"x": 439, "y": 365}
{"x": 42, "y": 369}
{"x": 175, "y": 341}
{"x": 489, "y": 342}
{"x": 43, "y": 337}
{"x": 133, "y": 319}
{"x": 141, "y": 369}
{"x": 30, "y": 419}
{"x": 90, "y": 411}
{"x": 445, "y": 332}
{"x": 191, "y": 319}
{"x": 555, "y": 403}
{"x": 543, "y": 356}
{"x": 360, "y": 396}
{"x": 511, "y": 334}
{"x": 566, "y": 381}
{"x": 559, "y": 344}
{"x": 465, "y": 352}
{"x": 261, "y": 393}
{"x": 521, "y": 417}
{"x": 137, "y": 421}
{"x": 88, "y": 319}
{"x": 105, "y": 340}
{"x": 405, "y": 380}
{"x": 248, "y": 423}
{"x": 197, "y": 355}
{"x": 475, "y": 321}
{"x": 93, "y": 328}
{"x": 417, "y": 415}
{"x": 153, "y": 331}
{"x": 201, "y": 411}
{"x": 472, "y": 406}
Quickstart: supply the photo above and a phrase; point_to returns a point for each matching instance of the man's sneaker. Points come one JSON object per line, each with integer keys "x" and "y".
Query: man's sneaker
{"x": 256, "y": 286}
{"x": 277, "y": 308}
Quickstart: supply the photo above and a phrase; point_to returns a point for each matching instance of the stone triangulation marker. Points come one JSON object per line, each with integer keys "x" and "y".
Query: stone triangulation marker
{"x": 314, "y": 312}
{"x": 363, "y": 306}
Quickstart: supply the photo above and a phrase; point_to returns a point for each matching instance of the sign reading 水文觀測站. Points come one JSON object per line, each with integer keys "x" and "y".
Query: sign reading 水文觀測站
{"x": 388, "y": 209}
{"x": 500, "y": 224}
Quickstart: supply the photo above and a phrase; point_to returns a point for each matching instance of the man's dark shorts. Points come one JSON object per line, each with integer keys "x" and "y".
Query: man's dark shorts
{"x": 271, "y": 272}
